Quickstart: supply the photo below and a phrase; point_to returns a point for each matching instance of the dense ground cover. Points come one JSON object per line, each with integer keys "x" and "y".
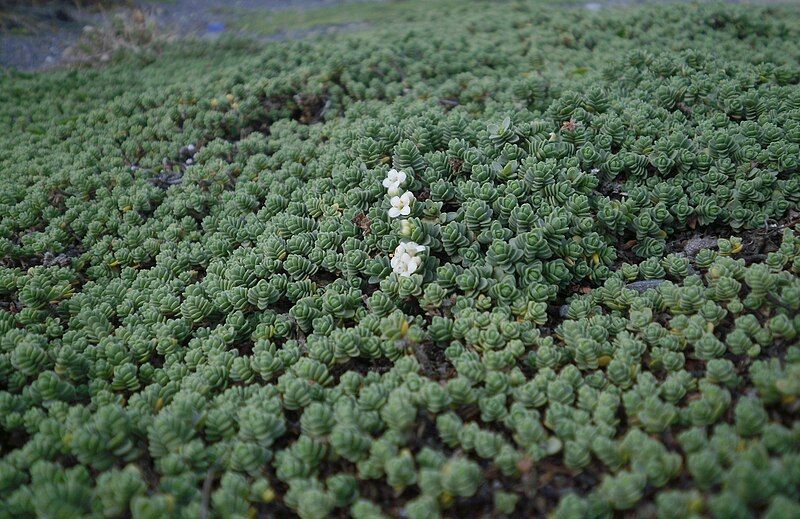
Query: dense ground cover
{"x": 211, "y": 305}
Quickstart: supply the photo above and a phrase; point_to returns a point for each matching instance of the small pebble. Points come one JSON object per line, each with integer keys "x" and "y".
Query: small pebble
{"x": 698, "y": 243}
{"x": 644, "y": 286}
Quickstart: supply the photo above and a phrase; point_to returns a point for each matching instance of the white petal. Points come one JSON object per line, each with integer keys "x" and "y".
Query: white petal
{"x": 393, "y": 212}
{"x": 405, "y": 211}
{"x": 409, "y": 248}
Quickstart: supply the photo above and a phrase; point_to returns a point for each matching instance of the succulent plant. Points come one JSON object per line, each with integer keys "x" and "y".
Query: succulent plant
{"x": 402, "y": 272}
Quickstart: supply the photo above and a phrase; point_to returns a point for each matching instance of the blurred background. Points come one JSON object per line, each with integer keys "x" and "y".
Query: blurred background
{"x": 42, "y": 34}
{"x": 39, "y": 34}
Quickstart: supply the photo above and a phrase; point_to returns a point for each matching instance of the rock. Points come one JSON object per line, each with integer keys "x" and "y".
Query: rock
{"x": 644, "y": 286}
{"x": 698, "y": 243}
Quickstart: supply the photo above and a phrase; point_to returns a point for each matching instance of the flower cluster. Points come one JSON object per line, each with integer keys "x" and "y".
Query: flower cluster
{"x": 267, "y": 323}
{"x": 400, "y": 203}
{"x": 406, "y": 259}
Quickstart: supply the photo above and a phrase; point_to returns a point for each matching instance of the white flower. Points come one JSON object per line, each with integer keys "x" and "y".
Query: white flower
{"x": 401, "y": 205}
{"x": 405, "y": 260}
{"x": 394, "y": 179}
{"x": 410, "y": 248}
{"x": 405, "y": 265}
